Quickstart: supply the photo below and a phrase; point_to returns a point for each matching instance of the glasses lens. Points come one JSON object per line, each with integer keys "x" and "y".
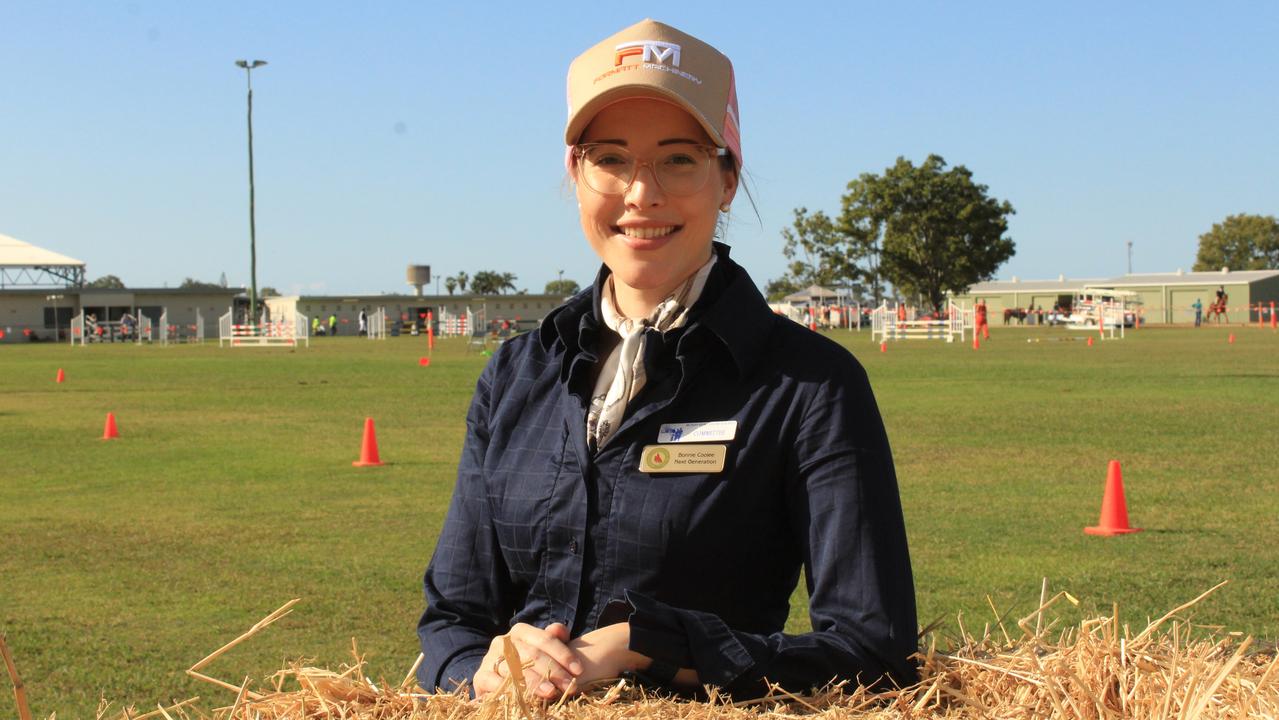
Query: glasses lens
{"x": 610, "y": 169}
{"x": 682, "y": 172}
{"x": 607, "y": 169}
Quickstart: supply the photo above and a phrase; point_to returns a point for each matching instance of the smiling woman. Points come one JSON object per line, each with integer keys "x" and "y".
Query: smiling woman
{"x": 644, "y": 477}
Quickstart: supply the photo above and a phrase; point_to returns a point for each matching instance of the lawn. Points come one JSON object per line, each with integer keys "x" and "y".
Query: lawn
{"x": 231, "y": 491}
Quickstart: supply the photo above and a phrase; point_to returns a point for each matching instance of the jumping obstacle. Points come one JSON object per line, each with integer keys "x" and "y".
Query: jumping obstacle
{"x": 892, "y": 324}
{"x": 293, "y": 332}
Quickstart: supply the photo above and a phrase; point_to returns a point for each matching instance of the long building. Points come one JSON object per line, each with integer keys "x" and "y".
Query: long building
{"x": 402, "y": 311}
{"x": 41, "y": 291}
{"x": 1166, "y": 298}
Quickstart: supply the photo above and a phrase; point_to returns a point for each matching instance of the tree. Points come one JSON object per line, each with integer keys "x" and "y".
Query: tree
{"x": 450, "y": 284}
{"x": 459, "y": 281}
{"x": 1240, "y": 242}
{"x": 268, "y": 291}
{"x": 110, "y": 282}
{"x": 491, "y": 282}
{"x": 818, "y": 253}
{"x": 193, "y": 284}
{"x": 562, "y": 287}
{"x": 777, "y": 289}
{"x": 932, "y": 230}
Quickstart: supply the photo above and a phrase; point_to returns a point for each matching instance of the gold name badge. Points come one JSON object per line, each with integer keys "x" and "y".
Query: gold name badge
{"x": 683, "y": 458}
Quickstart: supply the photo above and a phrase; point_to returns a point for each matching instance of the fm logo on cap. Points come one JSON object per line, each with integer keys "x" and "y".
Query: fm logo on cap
{"x": 649, "y": 51}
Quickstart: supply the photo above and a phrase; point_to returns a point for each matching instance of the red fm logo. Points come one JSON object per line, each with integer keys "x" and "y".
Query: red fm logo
{"x": 649, "y": 51}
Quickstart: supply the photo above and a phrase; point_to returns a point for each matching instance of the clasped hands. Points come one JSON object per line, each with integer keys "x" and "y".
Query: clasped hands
{"x": 553, "y": 664}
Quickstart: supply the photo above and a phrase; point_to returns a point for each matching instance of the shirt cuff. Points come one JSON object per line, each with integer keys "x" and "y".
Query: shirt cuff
{"x": 460, "y": 668}
{"x": 687, "y": 639}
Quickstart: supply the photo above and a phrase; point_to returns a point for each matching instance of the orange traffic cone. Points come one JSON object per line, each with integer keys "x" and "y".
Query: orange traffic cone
{"x": 61, "y": 376}
{"x": 424, "y": 361}
{"x": 1114, "y": 509}
{"x": 883, "y": 347}
{"x": 109, "y": 432}
{"x": 1090, "y": 341}
{"x": 368, "y": 449}
{"x": 1232, "y": 338}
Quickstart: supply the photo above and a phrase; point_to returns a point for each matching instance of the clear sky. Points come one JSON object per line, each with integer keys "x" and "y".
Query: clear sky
{"x": 389, "y": 133}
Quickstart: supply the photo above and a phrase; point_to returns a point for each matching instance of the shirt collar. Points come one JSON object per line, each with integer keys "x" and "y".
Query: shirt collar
{"x": 732, "y": 310}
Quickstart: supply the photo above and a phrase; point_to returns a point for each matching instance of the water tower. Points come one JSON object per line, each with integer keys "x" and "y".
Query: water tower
{"x": 419, "y": 275}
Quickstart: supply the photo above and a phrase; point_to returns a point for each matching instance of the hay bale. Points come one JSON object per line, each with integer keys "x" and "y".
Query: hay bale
{"x": 1098, "y": 669}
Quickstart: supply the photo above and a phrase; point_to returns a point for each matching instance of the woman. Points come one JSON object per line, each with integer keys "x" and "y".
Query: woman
{"x": 644, "y": 477}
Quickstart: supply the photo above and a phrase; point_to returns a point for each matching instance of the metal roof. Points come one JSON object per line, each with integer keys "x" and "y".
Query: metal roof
{"x": 1061, "y": 284}
{"x": 16, "y": 253}
{"x": 1215, "y": 277}
{"x": 1015, "y": 285}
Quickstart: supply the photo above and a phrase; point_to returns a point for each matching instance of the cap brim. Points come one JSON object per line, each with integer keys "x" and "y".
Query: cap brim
{"x": 577, "y": 124}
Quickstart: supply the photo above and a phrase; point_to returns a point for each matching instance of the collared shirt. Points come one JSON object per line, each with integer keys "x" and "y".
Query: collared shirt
{"x": 542, "y": 530}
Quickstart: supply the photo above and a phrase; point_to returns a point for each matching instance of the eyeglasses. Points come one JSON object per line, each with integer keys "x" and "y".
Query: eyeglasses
{"x": 679, "y": 170}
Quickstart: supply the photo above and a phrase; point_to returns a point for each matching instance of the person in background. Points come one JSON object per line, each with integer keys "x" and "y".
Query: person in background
{"x": 364, "y": 322}
{"x": 1199, "y": 311}
{"x": 333, "y": 325}
{"x": 645, "y": 476}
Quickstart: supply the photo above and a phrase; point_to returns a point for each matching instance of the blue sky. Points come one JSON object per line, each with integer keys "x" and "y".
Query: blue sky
{"x": 389, "y": 133}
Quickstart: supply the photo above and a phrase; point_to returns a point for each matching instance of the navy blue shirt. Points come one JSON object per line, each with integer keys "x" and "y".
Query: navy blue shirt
{"x": 541, "y": 529}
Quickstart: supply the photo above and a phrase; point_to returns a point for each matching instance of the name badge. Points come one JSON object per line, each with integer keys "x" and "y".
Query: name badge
{"x": 718, "y": 431}
{"x": 683, "y": 458}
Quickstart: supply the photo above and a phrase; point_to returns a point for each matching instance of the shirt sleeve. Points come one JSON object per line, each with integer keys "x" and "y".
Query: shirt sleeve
{"x": 843, "y": 505}
{"x": 468, "y": 597}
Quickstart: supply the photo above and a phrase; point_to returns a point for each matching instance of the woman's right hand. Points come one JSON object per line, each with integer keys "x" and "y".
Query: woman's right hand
{"x": 553, "y": 668}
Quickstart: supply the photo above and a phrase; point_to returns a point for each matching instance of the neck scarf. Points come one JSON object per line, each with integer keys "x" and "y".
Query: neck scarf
{"x": 622, "y": 373}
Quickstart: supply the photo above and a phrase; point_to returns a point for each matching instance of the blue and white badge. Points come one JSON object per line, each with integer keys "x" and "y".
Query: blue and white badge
{"x": 698, "y": 432}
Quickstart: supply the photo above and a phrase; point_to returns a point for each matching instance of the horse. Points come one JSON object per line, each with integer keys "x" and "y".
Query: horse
{"x": 1218, "y": 309}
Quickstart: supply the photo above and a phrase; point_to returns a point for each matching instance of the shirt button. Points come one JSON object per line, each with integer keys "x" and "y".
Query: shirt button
{"x": 572, "y": 546}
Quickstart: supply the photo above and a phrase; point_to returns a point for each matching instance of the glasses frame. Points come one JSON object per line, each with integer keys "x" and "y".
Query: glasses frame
{"x": 579, "y": 155}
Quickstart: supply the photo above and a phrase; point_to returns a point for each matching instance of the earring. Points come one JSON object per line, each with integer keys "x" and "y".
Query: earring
{"x": 725, "y": 207}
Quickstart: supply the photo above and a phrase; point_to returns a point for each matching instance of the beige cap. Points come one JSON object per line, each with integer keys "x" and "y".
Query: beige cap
{"x": 651, "y": 59}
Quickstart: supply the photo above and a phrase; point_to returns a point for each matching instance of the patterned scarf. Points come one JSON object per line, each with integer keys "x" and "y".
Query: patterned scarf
{"x": 622, "y": 373}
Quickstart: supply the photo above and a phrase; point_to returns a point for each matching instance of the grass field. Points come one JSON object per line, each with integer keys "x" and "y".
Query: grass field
{"x": 231, "y": 491}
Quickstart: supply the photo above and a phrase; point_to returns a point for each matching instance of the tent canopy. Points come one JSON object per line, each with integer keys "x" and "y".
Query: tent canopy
{"x": 811, "y": 293}
{"x": 22, "y": 263}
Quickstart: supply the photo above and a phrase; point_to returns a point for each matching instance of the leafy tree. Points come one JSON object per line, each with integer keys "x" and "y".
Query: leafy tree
{"x": 1240, "y": 242}
{"x": 491, "y": 282}
{"x": 932, "y": 230}
{"x": 817, "y": 251}
{"x": 268, "y": 291}
{"x": 450, "y": 284}
{"x": 777, "y": 289}
{"x": 193, "y": 284}
{"x": 459, "y": 281}
{"x": 107, "y": 282}
{"x": 562, "y": 287}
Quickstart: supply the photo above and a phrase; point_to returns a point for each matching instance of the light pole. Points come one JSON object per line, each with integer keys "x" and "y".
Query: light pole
{"x": 1129, "y": 257}
{"x": 57, "y": 329}
{"x": 253, "y": 240}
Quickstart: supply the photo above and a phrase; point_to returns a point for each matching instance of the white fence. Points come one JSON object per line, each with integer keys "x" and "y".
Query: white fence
{"x": 77, "y": 329}
{"x": 454, "y": 325}
{"x": 292, "y": 332}
{"x": 896, "y": 324}
{"x": 377, "y": 324}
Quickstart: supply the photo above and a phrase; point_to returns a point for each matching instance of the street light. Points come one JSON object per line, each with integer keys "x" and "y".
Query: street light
{"x": 57, "y": 329}
{"x": 253, "y": 245}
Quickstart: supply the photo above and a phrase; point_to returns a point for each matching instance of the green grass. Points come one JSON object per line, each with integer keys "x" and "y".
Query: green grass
{"x": 232, "y": 491}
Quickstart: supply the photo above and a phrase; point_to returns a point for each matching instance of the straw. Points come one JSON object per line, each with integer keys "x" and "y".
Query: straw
{"x": 1093, "y": 669}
